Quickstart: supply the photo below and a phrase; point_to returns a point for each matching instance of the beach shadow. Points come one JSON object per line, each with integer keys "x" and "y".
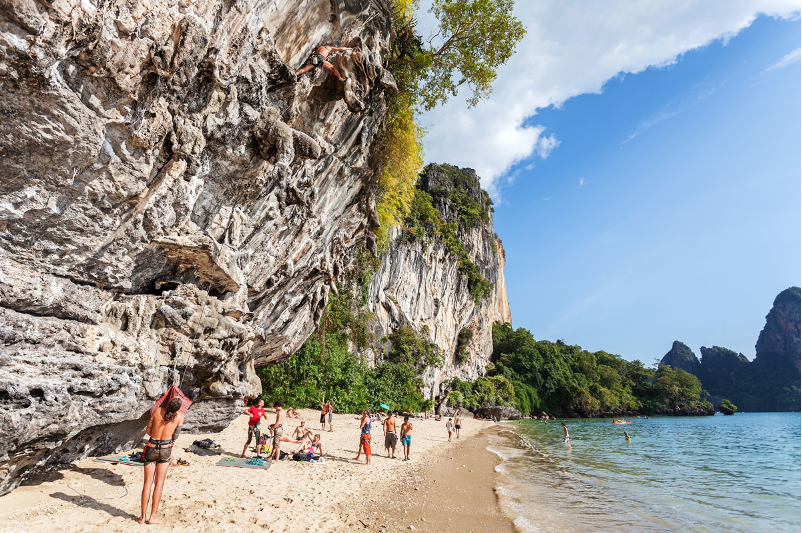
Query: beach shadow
{"x": 91, "y": 503}
{"x": 101, "y": 474}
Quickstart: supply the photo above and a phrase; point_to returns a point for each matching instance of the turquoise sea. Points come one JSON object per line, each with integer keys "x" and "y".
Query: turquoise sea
{"x": 708, "y": 474}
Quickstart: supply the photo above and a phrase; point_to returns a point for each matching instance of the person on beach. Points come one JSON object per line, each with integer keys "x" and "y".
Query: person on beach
{"x": 406, "y": 437}
{"x": 364, "y": 437}
{"x": 292, "y": 412}
{"x": 301, "y": 432}
{"x": 256, "y": 413}
{"x": 390, "y": 437}
{"x": 449, "y": 428}
{"x": 456, "y": 424}
{"x": 163, "y": 428}
{"x": 324, "y": 408}
{"x": 318, "y": 60}
{"x": 277, "y": 428}
{"x": 330, "y": 414}
{"x": 565, "y": 430}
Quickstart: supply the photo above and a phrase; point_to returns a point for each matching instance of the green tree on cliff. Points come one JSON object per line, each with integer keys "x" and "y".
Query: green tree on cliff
{"x": 474, "y": 38}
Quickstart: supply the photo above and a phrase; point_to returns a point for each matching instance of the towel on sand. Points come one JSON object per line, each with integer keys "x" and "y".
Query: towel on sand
{"x": 241, "y": 463}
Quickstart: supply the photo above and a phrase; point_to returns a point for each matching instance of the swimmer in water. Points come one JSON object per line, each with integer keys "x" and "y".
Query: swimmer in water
{"x": 626, "y": 435}
{"x": 565, "y": 430}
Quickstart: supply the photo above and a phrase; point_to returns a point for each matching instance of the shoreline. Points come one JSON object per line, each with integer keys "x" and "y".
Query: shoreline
{"x": 88, "y": 495}
{"x": 453, "y": 489}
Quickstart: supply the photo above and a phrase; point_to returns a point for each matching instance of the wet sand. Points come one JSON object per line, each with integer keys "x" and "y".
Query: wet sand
{"x": 451, "y": 490}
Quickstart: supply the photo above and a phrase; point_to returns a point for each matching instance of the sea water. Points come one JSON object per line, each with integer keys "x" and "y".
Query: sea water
{"x": 718, "y": 473}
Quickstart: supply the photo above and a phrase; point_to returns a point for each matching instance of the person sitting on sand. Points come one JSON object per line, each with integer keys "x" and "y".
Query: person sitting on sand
{"x": 406, "y": 437}
{"x": 565, "y": 430}
{"x": 457, "y": 424}
{"x": 256, "y": 413}
{"x": 301, "y": 431}
{"x": 292, "y": 412}
{"x": 449, "y": 428}
{"x": 364, "y": 437}
{"x": 163, "y": 428}
{"x": 312, "y": 445}
{"x": 390, "y": 437}
{"x": 318, "y": 60}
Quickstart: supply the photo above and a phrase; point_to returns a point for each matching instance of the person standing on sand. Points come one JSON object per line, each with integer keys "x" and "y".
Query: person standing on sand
{"x": 324, "y": 408}
{"x": 330, "y": 412}
{"x": 256, "y": 413}
{"x": 364, "y": 437}
{"x": 449, "y": 428}
{"x": 390, "y": 438}
{"x": 406, "y": 437}
{"x": 163, "y": 428}
{"x": 277, "y": 428}
{"x": 565, "y": 430}
{"x": 457, "y": 424}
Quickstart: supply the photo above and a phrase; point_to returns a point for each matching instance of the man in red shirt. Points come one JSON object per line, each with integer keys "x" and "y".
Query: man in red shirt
{"x": 256, "y": 413}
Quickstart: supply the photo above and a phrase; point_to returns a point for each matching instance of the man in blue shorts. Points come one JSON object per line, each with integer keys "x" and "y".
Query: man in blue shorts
{"x": 406, "y": 437}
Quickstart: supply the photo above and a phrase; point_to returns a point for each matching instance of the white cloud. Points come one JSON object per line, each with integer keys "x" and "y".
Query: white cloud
{"x": 581, "y": 181}
{"x": 784, "y": 61}
{"x": 573, "y": 47}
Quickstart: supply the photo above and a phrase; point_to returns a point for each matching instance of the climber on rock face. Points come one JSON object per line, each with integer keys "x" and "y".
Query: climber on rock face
{"x": 318, "y": 59}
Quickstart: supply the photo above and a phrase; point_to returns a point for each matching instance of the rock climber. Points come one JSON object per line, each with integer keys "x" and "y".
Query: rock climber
{"x": 318, "y": 59}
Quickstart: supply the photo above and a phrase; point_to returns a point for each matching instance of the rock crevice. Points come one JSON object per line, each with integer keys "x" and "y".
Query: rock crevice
{"x": 175, "y": 205}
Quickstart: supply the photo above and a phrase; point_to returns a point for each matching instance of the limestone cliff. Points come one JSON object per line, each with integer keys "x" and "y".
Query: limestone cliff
{"x": 770, "y": 382}
{"x": 419, "y": 282}
{"x": 175, "y": 205}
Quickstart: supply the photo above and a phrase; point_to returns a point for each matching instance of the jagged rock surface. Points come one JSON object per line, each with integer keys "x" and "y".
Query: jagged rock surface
{"x": 418, "y": 284}
{"x": 682, "y": 357}
{"x": 174, "y": 205}
{"x": 771, "y": 382}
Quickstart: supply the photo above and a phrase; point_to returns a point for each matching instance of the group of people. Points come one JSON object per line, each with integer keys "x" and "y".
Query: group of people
{"x": 390, "y": 435}
{"x": 301, "y": 436}
{"x": 165, "y": 423}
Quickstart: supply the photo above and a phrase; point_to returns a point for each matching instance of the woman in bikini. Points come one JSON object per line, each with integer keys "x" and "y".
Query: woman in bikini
{"x": 163, "y": 427}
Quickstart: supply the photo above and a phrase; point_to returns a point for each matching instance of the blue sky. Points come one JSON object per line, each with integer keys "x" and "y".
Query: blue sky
{"x": 653, "y": 206}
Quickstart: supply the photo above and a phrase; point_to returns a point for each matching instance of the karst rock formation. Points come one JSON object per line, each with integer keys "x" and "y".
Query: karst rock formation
{"x": 175, "y": 205}
{"x": 419, "y": 284}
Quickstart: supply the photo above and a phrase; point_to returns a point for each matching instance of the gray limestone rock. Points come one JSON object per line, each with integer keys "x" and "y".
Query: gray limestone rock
{"x": 174, "y": 205}
{"x": 418, "y": 284}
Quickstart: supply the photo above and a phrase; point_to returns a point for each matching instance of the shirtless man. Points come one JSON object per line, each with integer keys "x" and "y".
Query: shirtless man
{"x": 301, "y": 432}
{"x": 256, "y": 413}
{"x": 406, "y": 437}
{"x": 318, "y": 59}
{"x": 457, "y": 424}
{"x": 449, "y": 428}
{"x": 163, "y": 427}
{"x": 277, "y": 428}
{"x": 330, "y": 414}
{"x": 390, "y": 437}
{"x": 565, "y": 430}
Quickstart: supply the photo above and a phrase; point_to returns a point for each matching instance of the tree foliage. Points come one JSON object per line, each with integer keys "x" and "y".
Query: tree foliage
{"x": 564, "y": 379}
{"x": 475, "y": 37}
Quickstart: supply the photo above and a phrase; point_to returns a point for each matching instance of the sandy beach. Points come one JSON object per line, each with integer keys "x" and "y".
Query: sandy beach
{"x": 444, "y": 485}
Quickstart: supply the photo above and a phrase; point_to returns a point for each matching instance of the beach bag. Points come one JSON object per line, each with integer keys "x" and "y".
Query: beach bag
{"x": 302, "y": 456}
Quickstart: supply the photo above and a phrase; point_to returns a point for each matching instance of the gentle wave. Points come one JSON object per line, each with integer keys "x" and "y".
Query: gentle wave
{"x": 706, "y": 474}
